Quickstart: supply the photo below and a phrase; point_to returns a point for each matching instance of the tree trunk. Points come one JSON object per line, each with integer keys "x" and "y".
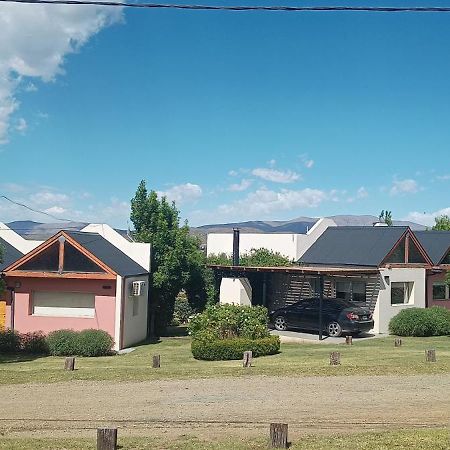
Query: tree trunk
{"x": 335, "y": 358}
{"x": 156, "y": 363}
{"x": 106, "y": 438}
{"x": 278, "y": 435}
{"x": 430, "y": 355}
{"x": 247, "y": 361}
{"x": 69, "y": 363}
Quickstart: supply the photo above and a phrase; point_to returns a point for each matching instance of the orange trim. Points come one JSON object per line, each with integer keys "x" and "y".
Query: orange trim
{"x": 407, "y": 248}
{"x": 443, "y": 257}
{"x": 61, "y": 256}
{"x": 91, "y": 275}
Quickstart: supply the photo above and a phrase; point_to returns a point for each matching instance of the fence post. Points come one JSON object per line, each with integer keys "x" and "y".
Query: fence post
{"x": 106, "y": 438}
{"x": 335, "y": 358}
{"x": 278, "y": 435}
{"x": 247, "y": 361}
{"x": 430, "y": 355}
{"x": 156, "y": 363}
{"x": 69, "y": 363}
{"x": 397, "y": 342}
{"x": 349, "y": 340}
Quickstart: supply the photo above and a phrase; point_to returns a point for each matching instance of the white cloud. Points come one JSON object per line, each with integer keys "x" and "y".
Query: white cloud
{"x": 55, "y": 210}
{"x": 182, "y": 193}
{"x": 21, "y": 125}
{"x": 443, "y": 177}
{"x": 276, "y": 176}
{"x": 47, "y": 197}
{"x": 362, "y": 192}
{"x": 232, "y": 173}
{"x": 31, "y": 87}
{"x": 425, "y": 218}
{"x": 35, "y": 39}
{"x": 242, "y": 186}
{"x": 309, "y": 163}
{"x": 272, "y": 162}
{"x": 407, "y": 186}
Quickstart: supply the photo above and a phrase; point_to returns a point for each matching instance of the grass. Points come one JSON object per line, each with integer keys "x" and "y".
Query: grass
{"x": 371, "y": 357}
{"x": 436, "y": 439}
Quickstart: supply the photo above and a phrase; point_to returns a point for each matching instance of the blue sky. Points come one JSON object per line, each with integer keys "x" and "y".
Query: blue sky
{"x": 236, "y": 116}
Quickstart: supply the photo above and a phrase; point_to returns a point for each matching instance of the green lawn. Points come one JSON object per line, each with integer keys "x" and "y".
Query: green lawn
{"x": 437, "y": 439}
{"x": 372, "y": 357}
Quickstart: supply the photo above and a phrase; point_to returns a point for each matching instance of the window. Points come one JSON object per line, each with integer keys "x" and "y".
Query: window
{"x": 135, "y": 301}
{"x": 351, "y": 290}
{"x": 440, "y": 291}
{"x": 46, "y": 261}
{"x": 63, "y": 304}
{"x": 401, "y": 292}
{"x": 398, "y": 254}
{"x": 75, "y": 261}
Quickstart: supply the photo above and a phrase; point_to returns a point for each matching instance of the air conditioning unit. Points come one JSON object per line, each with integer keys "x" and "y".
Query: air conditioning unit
{"x": 137, "y": 288}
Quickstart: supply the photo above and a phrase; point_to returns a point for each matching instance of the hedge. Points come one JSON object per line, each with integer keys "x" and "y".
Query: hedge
{"x": 62, "y": 342}
{"x": 226, "y": 349}
{"x": 9, "y": 341}
{"x": 433, "y": 321}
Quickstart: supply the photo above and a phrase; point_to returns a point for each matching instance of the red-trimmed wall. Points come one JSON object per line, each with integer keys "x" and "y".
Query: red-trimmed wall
{"x": 430, "y": 302}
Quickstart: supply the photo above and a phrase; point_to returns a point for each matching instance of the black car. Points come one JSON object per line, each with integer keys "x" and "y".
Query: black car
{"x": 338, "y": 317}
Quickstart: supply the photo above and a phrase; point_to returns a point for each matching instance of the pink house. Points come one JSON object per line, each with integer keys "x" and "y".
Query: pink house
{"x": 78, "y": 280}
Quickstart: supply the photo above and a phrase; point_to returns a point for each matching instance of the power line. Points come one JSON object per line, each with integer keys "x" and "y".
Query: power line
{"x": 388, "y": 9}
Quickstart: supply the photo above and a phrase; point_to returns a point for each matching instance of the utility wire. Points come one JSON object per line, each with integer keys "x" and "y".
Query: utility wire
{"x": 388, "y": 9}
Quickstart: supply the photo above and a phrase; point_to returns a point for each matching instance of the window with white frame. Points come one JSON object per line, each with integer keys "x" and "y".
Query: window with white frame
{"x": 441, "y": 291}
{"x": 63, "y": 304}
{"x": 401, "y": 292}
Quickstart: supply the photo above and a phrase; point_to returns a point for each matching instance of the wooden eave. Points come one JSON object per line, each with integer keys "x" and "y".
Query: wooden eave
{"x": 70, "y": 275}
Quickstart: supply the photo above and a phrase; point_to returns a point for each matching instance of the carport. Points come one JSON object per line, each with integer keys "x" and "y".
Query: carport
{"x": 321, "y": 281}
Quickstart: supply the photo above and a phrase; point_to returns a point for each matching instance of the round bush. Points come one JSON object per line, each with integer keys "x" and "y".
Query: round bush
{"x": 62, "y": 342}
{"x": 226, "y": 349}
{"x": 94, "y": 343}
{"x": 9, "y": 341}
{"x": 34, "y": 343}
{"x": 421, "y": 322}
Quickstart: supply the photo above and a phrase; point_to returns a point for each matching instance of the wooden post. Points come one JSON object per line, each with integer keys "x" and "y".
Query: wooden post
{"x": 106, "y": 438}
{"x": 397, "y": 342}
{"x": 247, "y": 361}
{"x": 156, "y": 361}
{"x": 69, "y": 363}
{"x": 335, "y": 358}
{"x": 278, "y": 435}
{"x": 349, "y": 340}
{"x": 430, "y": 355}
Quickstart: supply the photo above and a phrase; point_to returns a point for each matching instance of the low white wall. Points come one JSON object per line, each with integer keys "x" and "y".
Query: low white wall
{"x": 135, "y": 326}
{"x": 384, "y": 310}
{"x": 236, "y": 291}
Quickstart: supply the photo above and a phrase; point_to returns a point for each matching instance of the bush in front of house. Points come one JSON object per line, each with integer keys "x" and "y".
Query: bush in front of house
{"x": 93, "y": 342}
{"x": 9, "y": 341}
{"x": 182, "y": 310}
{"x": 34, "y": 343}
{"x": 421, "y": 322}
{"x": 62, "y": 342}
{"x": 224, "y": 332}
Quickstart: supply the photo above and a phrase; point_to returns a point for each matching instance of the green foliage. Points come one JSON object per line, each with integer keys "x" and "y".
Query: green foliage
{"x": 442, "y": 223}
{"x": 421, "y": 322}
{"x": 182, "y": 310}
{"x": 62, "y": 342}
{"x": 386, "y": 217}
{"x": 34, "y": 343}
{"x": 9, "y": 341}
{"x": 257, "y": 257}
{"x": 177, "y": 261}
{"x": 226, "y": 349}
{"x": 94, "y": 343}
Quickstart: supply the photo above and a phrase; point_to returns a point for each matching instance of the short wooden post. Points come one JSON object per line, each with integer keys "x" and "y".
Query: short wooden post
{"x": 106, "y": 438}
{"x": 278, "y": 435}
{"x": 349, "y": 340}
{"x": 247, "y": 361}
{"x": 69, "y": 363}
{"x": 430, "y": 355}
{"x": 335, "y": 358}
{"x": 156, "y": 361}
{"x": 397, "y": 342}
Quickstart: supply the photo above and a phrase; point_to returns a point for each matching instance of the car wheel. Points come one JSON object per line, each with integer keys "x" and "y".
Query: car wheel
{"x": 280, "y": 323}
{"x": 334, "y": 329}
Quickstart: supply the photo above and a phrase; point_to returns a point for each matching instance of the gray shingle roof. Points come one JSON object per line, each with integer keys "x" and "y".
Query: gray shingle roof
{"x": 107, "y": 253}
{"x": 360, "y": 246}
{"x": 10, "y": 254}
{"x": 436, "y": 243}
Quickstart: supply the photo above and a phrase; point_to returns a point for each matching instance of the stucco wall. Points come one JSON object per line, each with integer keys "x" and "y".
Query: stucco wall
{"x": 105, "y": 301}
{"x": 135, "y": 327}
{"x": 384, "y": 311}
{"x": 235, "y": 291}
{"x": 430, "y": 280}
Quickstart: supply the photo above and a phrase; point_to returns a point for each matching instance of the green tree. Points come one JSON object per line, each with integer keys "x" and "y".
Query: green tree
{"x": 442, "y": 223}
{"x": 177, "y": 262}
{"x": 257, "y": 257}
{"x": 386, "y": 217}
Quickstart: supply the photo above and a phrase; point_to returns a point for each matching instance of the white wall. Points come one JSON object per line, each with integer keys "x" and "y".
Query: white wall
{"x": 17, "y": 241}
{"x": 137, "y": 251}
{"x": 235, "y": 291}
{"x": 135, "y": 327}
{"x": 384, "y": 311}
{"x": 290, "y": 245}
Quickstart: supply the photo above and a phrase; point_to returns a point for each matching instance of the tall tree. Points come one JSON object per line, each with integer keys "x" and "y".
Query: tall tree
{"x": 386, "y": 217}
{"x": 177, "y": 262}
{"x": 442, "y": 223}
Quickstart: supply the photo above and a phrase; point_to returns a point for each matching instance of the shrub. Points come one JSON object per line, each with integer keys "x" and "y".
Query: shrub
{"x": 62, "y": 342}
{"x": 94, "y": 343}
{"x": 9, "y": 341}
{"x": 226, "y": 349}
{"x": 34, "y": 343}
{"x": 421, "y": 322}
{"x": 182, "y": 310}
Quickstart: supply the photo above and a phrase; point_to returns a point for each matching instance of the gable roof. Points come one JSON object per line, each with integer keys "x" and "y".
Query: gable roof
{"x": 9, "y": 254}
{"x": 436, "y": 243}
{"x": 361, "y": 246}
{"x": 107, "y": 253}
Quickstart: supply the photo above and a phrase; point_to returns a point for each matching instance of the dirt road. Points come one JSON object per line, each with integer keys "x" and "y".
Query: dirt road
{"x": 226, "y": 405}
